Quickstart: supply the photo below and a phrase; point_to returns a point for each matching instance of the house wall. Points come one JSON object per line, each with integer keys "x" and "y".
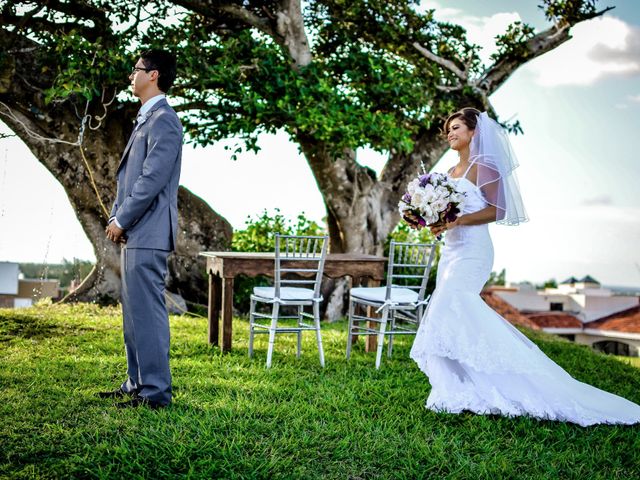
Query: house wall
{"x": 9, "y": 272}
{"x": 22, "y": 302}
{"x": 587, "y": 307}
{"x": 6, "y": 301}
{"x": 598, "y": 307}
{"x": 531, "y": 300}
{"x": 37, "y": 289}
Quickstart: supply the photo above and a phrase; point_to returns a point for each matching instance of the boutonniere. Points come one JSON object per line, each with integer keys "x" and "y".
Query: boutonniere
{"x": 143, "y": 118}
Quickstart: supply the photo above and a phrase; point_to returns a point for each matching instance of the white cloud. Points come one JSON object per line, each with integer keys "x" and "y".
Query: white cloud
{"x": 600, "y": 48}
{"x": 634, "y": 98}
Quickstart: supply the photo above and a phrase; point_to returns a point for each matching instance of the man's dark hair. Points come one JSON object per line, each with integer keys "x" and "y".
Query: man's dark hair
{"x": 164, "y": 62}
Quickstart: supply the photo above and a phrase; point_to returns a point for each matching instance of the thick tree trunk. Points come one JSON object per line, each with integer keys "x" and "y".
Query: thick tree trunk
{"x": 362, "y": 210}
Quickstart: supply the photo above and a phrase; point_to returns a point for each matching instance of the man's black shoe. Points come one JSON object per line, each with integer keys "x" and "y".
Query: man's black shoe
{"x": 118, "y": 393}
{"x": 138, "y": 401}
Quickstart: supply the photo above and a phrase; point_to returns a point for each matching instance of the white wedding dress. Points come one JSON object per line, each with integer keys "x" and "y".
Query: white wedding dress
{"x": 479, "y": 362}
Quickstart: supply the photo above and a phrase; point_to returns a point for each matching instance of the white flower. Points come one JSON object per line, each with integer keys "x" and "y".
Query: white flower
{"x": 440, "y": 205}
{"x": 413, "y": 184}
{"x": 419, "y": 197}
{"x": 442, "y": 192}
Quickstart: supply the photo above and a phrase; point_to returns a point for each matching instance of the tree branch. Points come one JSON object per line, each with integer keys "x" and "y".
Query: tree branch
{"x": 443, "y": 62}
{"x": 79, "y": 9}
{"x": 536, "y": 46}
{"x": 286, "y": 27}
{"x": 290, "y": 25}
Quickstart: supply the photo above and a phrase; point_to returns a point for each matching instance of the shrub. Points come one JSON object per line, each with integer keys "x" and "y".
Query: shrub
{"x": 259, "y": 235}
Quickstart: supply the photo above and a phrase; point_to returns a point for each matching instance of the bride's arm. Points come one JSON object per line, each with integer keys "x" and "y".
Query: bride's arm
{"x": 486, "y": 215}
{"x": 491, "y": 192}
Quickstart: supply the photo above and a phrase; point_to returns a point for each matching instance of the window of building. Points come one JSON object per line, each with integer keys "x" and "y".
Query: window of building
{"x": 556, "y": 306}
{"x": 612, "y": 347}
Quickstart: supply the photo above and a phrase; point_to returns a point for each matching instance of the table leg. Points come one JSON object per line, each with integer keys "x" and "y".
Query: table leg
{"x": 227, "y": 313}
{"x": 372, "y": 340}
{"x": 214, "y": 308}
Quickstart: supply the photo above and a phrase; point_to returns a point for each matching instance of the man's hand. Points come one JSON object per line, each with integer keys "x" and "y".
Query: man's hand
{"x": 115, "y": 233}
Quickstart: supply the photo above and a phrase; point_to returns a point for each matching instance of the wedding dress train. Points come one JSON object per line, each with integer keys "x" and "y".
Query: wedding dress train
{"x": 477, "y": 361}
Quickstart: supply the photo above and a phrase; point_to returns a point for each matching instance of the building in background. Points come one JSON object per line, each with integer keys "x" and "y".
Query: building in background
{"x": 581, "y": 310}
{"x": 17, "y": 292}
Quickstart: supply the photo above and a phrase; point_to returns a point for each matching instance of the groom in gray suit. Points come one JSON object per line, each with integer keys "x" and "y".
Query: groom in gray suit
{"x": 144, "y": 220}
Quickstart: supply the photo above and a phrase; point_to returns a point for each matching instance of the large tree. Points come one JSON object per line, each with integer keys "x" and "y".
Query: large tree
{"x": 336, "y": 75}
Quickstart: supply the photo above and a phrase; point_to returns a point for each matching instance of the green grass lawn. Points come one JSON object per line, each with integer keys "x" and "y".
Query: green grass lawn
{"x": 635, "y": 361}
{"x": 232, "y": 418}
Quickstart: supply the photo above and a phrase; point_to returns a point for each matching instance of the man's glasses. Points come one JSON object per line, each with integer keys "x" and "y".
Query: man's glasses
{"x": 141, "y": 69}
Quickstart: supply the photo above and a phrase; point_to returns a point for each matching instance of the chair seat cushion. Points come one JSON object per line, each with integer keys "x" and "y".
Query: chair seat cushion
{"x": 286, "y": 293}
{"x": 377, "y": 294}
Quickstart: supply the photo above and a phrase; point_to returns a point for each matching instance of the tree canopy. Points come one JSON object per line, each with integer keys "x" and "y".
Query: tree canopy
{"x": 347, "y": 74}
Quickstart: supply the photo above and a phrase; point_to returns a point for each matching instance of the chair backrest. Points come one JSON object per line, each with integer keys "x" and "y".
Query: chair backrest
{"x": 409, "y": 266}
{"x": 300, "y": 261}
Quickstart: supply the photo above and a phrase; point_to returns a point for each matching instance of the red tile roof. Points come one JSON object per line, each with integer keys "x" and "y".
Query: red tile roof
{"x": 625, "y": 321}
{"x": 511, "y": 314}
{"x": 554, "y": 320}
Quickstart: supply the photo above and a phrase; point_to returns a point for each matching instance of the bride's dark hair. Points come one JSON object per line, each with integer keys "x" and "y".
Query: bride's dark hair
{"x": 468, "y": 116}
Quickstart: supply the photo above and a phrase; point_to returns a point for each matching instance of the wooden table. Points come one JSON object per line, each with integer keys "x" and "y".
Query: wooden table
{"x": 223, "y": 267}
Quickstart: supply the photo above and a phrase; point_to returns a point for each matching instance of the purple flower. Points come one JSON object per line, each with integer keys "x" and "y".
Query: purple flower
{"x": 406, "y": 198}
{"x": 451, "y": 213}
{"x": 413, "y": 218}
{"x": 424, "y": 179}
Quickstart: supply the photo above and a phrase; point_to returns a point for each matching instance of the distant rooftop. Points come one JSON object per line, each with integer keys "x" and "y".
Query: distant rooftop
{"x": 589, "y": 279}
{"x": 626, "y": 321}
{"x": 585, "y": 279}
{"x": 554, "y": 320}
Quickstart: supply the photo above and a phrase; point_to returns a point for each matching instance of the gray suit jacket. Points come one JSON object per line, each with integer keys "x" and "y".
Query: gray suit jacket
{"x": 146, "y": 204}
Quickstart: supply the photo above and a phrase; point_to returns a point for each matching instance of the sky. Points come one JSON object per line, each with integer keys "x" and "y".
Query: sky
{"x": 578, "y": 105}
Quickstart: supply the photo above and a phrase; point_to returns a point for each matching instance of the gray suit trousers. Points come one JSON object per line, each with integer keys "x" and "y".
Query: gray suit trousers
{"x": 146, "y": 323}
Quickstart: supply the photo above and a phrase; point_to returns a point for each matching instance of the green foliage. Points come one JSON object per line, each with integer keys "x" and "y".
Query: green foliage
{"x": 66, "y": 271}
{"x": 366, "y": 84}
{"x": 551, "y": 283}
{"x": 496, "y": 278}
{"x": 568, "y": 10}
{"x": 512, "y": 43}
{"x": 232, "y": 418}
{"x": 259, "y": 236}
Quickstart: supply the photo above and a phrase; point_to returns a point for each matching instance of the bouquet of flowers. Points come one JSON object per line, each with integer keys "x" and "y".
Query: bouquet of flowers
{"x": 431, "y": 199}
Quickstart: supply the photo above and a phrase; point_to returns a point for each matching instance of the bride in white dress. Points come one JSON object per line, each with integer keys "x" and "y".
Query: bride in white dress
{"x": 476, "y": 360}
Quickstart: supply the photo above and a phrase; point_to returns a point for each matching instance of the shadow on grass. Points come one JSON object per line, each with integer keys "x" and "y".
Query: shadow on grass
{"x": 36, "y": 326}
